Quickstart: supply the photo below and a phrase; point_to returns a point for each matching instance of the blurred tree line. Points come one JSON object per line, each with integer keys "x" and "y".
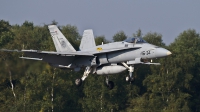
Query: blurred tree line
{"x": 34, "y": 86}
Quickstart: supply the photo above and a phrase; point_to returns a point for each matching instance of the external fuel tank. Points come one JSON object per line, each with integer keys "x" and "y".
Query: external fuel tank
{"x": 111, "y": 69}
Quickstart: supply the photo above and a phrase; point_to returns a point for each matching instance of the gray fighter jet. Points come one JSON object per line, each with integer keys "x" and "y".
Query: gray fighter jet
{"x": 105, "y": 59}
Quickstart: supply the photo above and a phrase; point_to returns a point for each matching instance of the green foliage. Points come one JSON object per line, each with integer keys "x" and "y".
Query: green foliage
{"x": 171, "y": 87}
{"x": 6, "y": 34}
{"x": 72, "y": 35}
{"x": 4, "y": 26}
{"x": 119, "y": 36}
{"x": 154, "y": 38}
{"x": 138, "y": 33}
{"x": 54, "y": 22}
{"x": 100, "y": 39}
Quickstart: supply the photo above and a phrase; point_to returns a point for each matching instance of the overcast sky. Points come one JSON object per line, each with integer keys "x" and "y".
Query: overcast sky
{"x": 107, "y": 17}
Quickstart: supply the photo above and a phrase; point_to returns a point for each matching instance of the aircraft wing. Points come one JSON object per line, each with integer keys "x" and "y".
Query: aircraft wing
{"x": 59, "y": 53}
{"x": 38, "y": 55}
{"x": 56, "y": 58}
{"x": 50, "y": 52}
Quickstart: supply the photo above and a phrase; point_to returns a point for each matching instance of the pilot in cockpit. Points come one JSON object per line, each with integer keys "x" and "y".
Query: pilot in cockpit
{"x": 135, "y": 40}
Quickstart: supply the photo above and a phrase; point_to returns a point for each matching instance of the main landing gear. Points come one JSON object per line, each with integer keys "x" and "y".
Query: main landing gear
{"x": 78, "y": 82}
{"x": 88, "y": 70}
{"x": 109, "y": 84}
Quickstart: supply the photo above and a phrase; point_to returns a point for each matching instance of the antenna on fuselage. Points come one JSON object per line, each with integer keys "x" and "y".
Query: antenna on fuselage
{"x": 135, "y": 41}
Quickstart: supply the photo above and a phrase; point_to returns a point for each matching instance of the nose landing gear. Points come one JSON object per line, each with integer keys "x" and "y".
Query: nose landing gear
{"x": 130, "y": 68}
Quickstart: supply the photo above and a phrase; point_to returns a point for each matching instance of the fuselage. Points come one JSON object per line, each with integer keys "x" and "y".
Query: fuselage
{"x": 115, "y": 52}
{"x": 128, "y": 51}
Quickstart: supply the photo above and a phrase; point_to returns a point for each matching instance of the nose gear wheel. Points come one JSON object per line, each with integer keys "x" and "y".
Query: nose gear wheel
{"x": 78, "y": 82}
{"x": 131, "y": 70}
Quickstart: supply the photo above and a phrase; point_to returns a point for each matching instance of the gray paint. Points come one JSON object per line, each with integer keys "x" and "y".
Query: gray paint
{"x": 113, "y": 69}
{"x": 95, "y": 56}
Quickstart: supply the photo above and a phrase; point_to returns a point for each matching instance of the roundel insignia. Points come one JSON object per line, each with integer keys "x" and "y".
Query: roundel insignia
{"x": 63, "y": 44}
{"x": 99, "y": 49}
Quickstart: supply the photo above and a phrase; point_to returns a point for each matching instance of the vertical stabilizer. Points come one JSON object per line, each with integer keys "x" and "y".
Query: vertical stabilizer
{"x": 60, "y": 42}
{"x": 87, "y": 40}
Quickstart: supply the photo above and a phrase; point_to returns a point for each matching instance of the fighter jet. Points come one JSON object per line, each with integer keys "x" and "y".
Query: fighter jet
{"x": 105, "y": 59}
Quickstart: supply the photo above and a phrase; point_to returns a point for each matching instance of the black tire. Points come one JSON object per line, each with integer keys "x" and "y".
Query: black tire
{"x": 78, "y": 82}
{"x": 132, "y": 79}
{"x": 110, "y": 85}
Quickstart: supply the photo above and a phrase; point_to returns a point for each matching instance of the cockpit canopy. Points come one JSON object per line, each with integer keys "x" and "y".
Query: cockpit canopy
{"x": 135, "y": 40}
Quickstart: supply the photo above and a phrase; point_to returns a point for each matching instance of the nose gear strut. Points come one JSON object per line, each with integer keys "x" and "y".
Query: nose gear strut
{"x": 131, "y": 70}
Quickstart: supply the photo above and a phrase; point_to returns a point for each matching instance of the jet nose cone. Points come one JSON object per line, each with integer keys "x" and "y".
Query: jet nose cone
{"x": 161, "y": 52}
{"x": 169, "y": 53}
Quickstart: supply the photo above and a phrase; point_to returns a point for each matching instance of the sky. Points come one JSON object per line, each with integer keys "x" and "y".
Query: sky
{"x": 107, "y": 17}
